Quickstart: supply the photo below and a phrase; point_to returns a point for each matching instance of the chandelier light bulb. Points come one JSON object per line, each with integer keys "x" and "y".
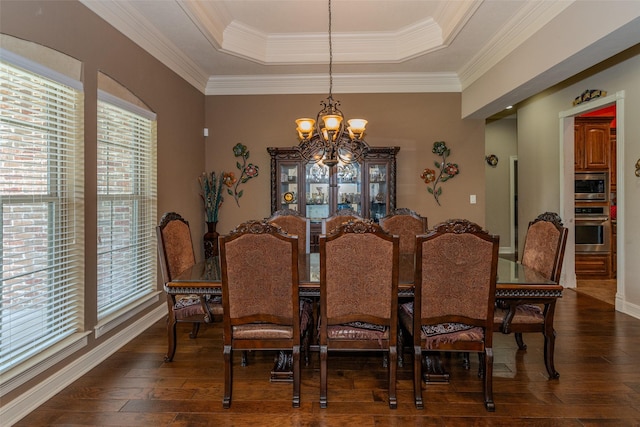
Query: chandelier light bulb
{"x": 332, "y": 122}
{"x": 357, "y": 125}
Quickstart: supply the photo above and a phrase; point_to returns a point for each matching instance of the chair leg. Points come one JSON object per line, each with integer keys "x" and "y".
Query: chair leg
{"x": 417, "y": 376}
{"x": 194, "y": 330}
{"x": 296, "y": 376}
{"x": 323, "y": 376}
{"x": 393, "y": 368}
{"x": 228, "y": 376}
{"x": 549, "y": 348}
{"x": 520, "y": 341}
{"x": 488, "y": 380}
{"x": 171, "y": 337}
{"x": 400, "y": 346}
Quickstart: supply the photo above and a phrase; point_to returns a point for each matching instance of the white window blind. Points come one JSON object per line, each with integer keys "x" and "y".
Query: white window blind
{"x": 41, "y": 206}
{"x": 126, "y": 204}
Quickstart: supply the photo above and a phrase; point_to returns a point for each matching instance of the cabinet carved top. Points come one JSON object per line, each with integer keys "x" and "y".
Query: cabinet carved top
{"x": 292, "y": 153}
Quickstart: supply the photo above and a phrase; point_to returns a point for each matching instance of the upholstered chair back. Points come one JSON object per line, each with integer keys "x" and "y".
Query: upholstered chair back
{"x": 544, "y": 245}
{"x": 406, "y": 224}
{"x": 175, "y": 244}
{"x": 258, "y": 273}
{"x": 359, "y": 274}
{"x": 294, "y": 224}
{"x": 454, "y": 297}
{"x": 457, "y": 275}
{"x": 343, "y": 215}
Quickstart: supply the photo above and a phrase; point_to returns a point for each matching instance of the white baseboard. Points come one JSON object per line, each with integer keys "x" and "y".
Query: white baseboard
{"x": 21, "y": 406}
{"x": 626, "y": 307}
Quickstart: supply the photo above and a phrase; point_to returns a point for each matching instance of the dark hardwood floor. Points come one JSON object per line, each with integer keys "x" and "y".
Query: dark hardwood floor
{"x": 597, "y": 355}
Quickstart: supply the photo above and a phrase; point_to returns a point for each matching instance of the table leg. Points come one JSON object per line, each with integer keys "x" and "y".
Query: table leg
{"x": 282, "y": 370}
{"x": 433, "y": 370}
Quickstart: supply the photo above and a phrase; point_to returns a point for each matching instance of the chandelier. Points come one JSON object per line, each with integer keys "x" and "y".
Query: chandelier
{"x": 325, "y": 139}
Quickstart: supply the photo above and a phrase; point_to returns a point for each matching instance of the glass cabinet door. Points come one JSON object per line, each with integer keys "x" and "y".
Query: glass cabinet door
{"x": 288, "y": 188}
{"x": 317, "y": 191}
{"x": 349, "y": 180}
{"x": 378, "y": 190}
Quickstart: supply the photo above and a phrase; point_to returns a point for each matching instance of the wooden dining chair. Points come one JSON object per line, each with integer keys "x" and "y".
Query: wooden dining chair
{"x": 454, "y": 296}
{"x": 259, "y": 264}
{"x": 175, "y": 250}
{"x": 407, "y": 224}
{"x": 543, "y": 252}
{"x": 359, "y": 296}
{"x": 341, "y": 216}
{"x": 293, "y": 223}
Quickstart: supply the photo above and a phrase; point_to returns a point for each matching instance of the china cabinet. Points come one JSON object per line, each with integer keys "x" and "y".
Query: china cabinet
{"x": 318, "y": 191}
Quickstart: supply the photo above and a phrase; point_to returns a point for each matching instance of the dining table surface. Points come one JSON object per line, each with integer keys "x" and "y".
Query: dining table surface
{"x": 514, "y": 280}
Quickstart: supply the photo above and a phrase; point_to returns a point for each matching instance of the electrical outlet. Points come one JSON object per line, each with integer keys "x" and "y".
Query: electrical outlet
{"x": 472, "y": 199}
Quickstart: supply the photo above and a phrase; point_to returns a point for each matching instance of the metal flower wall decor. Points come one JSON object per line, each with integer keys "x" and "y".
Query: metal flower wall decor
{"x": 247, "y": 172}
{"x": 446, "y": 170}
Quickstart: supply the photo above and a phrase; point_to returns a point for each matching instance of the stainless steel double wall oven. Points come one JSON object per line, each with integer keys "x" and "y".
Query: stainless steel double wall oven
{"x": 593, "y": 222}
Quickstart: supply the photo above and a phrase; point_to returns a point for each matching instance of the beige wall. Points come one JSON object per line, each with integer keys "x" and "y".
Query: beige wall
{"x": 539, "y": 167}
{"x": 71, "y": 28}
{"x": 410, "y": 121}
{"x": 501, "y": 139}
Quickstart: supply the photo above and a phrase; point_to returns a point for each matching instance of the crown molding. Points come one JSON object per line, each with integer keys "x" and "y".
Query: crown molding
{"x": 216, "y": 24}
{"x": 342, "y": 83}
{"x": 348, "y": 48}
{"x": 529, "y": 20}
{"x": 136, "y": 27}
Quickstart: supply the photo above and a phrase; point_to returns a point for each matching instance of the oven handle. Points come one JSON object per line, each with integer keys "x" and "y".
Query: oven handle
{"x": 598, "y": 219}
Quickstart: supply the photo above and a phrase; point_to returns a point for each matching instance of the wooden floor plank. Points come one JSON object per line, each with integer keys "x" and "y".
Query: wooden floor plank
{"x": 597, "y": 355}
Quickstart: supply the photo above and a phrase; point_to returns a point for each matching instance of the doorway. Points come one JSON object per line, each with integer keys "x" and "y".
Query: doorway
{"x": 608, "y": 289}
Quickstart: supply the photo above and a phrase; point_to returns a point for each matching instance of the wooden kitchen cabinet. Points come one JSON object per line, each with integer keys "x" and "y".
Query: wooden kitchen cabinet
{"x": 593, "y": 266}
{"x": 612, "y": 171}
{"x": 592, "y": 143}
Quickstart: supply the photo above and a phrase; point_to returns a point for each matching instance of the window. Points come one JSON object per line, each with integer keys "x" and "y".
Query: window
{"x": 126, "y": 204}
{"x": 41, "y": 206}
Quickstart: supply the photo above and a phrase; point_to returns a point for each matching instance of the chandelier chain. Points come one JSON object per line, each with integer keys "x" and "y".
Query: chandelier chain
{"x": 330, "y": 57}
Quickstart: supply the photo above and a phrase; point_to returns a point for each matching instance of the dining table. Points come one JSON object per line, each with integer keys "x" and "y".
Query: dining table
{"x": 516, "y": 283}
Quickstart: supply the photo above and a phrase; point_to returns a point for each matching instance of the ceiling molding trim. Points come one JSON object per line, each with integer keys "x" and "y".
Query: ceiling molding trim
{"x": 453, "y": 16}
{"x": 349, "y": 48}
{"x": 529, "y": 20}
{"x": 342, "y": 83}
{"x": 211, "y": 25}
{"x": 135, "y": 26}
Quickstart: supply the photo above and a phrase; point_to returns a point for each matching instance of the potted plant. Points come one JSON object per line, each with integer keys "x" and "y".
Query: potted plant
{"x": 211, "y": 186}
